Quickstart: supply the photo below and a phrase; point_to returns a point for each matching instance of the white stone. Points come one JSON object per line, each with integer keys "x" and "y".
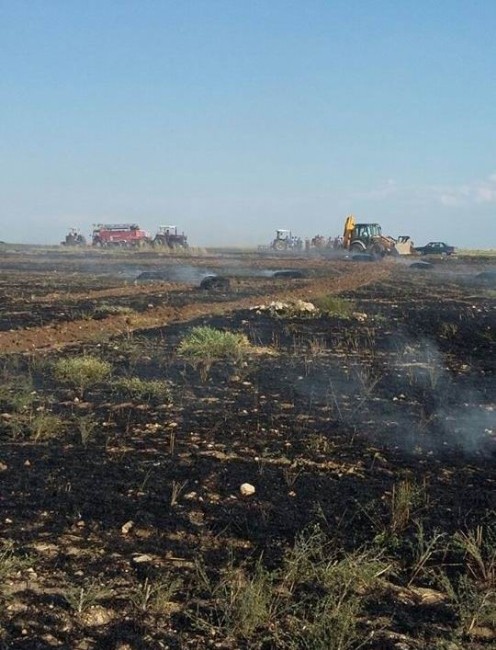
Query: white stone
{"x": 247, "y": 489}
{"x": 127, "y": 527}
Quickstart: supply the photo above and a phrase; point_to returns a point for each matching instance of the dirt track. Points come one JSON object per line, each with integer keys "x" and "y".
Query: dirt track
{"x": 188, "y": 301}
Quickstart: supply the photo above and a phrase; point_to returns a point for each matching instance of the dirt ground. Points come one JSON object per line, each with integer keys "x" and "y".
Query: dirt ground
{"x": 366, "y": 428}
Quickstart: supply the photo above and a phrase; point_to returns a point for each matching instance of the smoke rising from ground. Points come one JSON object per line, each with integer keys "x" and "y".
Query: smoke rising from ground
{"x": 406, "y": 398}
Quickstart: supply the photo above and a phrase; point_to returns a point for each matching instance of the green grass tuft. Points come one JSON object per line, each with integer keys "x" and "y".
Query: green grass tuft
{"x": 147, "y": 390}
{"x": 335, "y": 306}
{"x": 82, "y": 372}
{"x": 208, "y": 343}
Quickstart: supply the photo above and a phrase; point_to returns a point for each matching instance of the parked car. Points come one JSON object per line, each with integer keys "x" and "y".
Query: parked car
{"x": 435, "y": 248}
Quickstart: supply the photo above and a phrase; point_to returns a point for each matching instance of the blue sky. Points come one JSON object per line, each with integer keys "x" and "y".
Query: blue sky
{"x": 233, "y": 118}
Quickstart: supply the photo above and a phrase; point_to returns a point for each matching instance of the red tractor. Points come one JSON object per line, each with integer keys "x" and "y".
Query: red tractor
{"x": 125, "y": 235}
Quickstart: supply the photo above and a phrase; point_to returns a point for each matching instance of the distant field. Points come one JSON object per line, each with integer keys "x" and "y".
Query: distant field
{"x": 477, "y": 252}
{"x": 211, "y": 250}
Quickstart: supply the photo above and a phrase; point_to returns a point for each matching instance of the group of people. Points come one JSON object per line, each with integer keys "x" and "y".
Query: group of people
{"x": 319, "y": 241}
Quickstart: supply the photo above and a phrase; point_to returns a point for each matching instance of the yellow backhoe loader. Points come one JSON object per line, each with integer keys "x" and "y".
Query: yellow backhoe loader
{"x": 368, "y": 238}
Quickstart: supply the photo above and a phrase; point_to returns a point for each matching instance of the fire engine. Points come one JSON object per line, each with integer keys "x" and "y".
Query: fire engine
{"x": 119, "y": 234}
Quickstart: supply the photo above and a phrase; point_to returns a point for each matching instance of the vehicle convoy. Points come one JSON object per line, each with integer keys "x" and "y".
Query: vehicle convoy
{"x": 125, "y": 235}
{"x": 168, "y": 236}
{"x": 74, "y": 238}
{"x": 286, "y": 241}
{"x": 435, "y": 248}
{"x": 368, "y": 237}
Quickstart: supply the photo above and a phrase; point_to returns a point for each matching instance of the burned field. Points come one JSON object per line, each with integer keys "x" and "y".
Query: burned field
{"x": 239, "y": 469}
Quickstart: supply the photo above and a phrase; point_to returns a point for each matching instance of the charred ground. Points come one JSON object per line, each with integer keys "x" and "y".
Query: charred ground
{"x": 368, "y": 430}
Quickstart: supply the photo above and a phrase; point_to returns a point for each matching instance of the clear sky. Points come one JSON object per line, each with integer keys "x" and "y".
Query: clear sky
{"x": 232, "y": 118}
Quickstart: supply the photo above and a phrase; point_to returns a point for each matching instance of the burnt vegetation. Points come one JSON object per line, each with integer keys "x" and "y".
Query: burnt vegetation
{"x": 367, "y": 428}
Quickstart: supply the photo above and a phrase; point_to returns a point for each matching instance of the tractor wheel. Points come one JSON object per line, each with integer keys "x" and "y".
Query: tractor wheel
{"x": 357, "y": 247}
{"x": 378, "y": 250}
{"x": 279, "y": 246}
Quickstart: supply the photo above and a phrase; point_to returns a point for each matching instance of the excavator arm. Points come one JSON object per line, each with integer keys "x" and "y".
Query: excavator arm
{"x": 349, "y": 227}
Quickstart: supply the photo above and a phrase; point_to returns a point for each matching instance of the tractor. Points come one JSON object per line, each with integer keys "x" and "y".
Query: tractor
{"x": 168, "y": 236}
{"x": 285, "y": 241}
{"x": 74, "y": 238}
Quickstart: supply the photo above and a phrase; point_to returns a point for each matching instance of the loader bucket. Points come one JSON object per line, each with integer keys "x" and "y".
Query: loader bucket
{"x": 403, "y": 245}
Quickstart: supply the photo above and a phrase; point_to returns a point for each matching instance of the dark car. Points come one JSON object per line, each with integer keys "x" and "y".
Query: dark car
{"x": 435, "y": 248}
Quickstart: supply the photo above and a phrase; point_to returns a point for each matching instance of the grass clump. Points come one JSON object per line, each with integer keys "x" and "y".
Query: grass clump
{"x": 204, "y": 345}
{"x": 329, "y": 592}
{"x": 317, "y": 599}
{"x": 335, "y": 306}
{"x": 479, "y": 547}
{"x": 17, "y": 395}
{"x": 209, "y": 343}
{"x": 242, "y": 601}
{"x": 82, "y": 372}
{"x": 473, "y": 604}
{"x": 86, "y": 427}
{"x": 82, "y": 598}
{"x": 11, "y": 562}
{"x": 37, "y": 425}
{"x": 147, "y": 390}
{"x": 157, "y": 595}
{"x": 46, "y": 426}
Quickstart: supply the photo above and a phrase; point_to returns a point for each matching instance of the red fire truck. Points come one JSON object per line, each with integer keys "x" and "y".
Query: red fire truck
{"x": 126, "y": 235}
